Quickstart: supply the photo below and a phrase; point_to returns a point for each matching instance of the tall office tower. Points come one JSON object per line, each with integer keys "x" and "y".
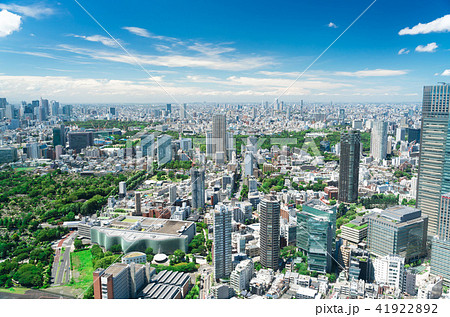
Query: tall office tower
{"x": 444, "y": 218}
{"x": 349, "y": 166}
{"x": 414, "y": 135}
{"x": 222, "y": 242}
{"x": 148, "y": 145}
{"x": 316, "y": 229}
{"x": 254, "y": 112}
{"x": 122, "y": 189}
{"x": 9, "y": 111}
{"x": 198, "y": 188}
{"x": 54, "y": 108}
{"x": 249, "y": 163}
{"x": 59, "y": 136}
{"x": 288, "y": 112}
{"x": 3, "y": 102}
{"x": 44, "y": 104}
{"x": 389, "y": 145}
{"x": 42, "y": 116}
{"x": 398, "y": 230}
{"x": 434, "y": 171}
{"x": 183, "y": 112}
{"x": 80, "y": 140}
{"x": 164, "y": 149}
{"x": 400, "y": 134}
{"x": 112, "y": 111}
{"x": 440, "y": 246}
{"x": 378, "y": 140}
{"x": 270, "y": 231}
{"x": 168, "y": 109}
{"x": 137, "y": 204}
{"x": 172, "y": 194}
{"x": 219, "y": 134}
{"x": 209, "y": 145}
{"x": 230, "y": 145}
{"x": 341, "y": 116}
{"x": 67, "y": 110}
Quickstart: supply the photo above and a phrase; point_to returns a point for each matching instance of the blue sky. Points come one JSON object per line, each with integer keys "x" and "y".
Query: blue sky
{"x": 227, "y": 51}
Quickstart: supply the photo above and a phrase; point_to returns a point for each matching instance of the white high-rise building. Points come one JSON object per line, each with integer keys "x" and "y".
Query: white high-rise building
{"x": 209, "y": 145}
{"x": 378, "y": 142}
{"x": 222, "y": 242}
{"x": 172, "y": 193}
{"x": 249, "y": 163}
{"x": 390, "y": 270}
{"x": 400, "y": 134}
{"x": 413, "y": 191}
{"x": 183, "y": 112}
{"x": 122, "y": 189}
{"x": 219, "y": 133}
{"x": 241, "y": 276}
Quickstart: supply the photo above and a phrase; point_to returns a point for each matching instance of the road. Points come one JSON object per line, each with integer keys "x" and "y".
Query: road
{"x": 62, "y": 276}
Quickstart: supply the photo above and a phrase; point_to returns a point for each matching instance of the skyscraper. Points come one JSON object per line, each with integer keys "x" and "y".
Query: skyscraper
{"x": 183, "y": 112}
{"x": 198, "y": 188}
{"x": 148, "y": 145}
{"x": 164, "y": 146}
{"x": 59, "y": 136}
{"x": 378, "y": 140}
{"x": 219, "y": 134}
{"x": 249, "y": 163}
{"x": 398, "y": 230}
{"x": 270, "y": 232}
{"x": 434, "y": 170}
{"x": 316, "y": 229}
{"x": 349, "y": 166}
{"x": 341, "y": 116}
{"x": 222, "y": 242}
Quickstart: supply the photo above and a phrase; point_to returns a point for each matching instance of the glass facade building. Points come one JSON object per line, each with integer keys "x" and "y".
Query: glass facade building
{"x": 349, "y": 166}
{"x": 316, "y": 227}
{"x": 398, "y": 230}
{"x": 434, "y": 168}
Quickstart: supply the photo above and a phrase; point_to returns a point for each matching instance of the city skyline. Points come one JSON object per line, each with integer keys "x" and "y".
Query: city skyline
{"x": 57, "y": 51}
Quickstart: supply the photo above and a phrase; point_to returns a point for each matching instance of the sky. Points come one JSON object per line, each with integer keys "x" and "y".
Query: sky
{"x": 179, "y": 51}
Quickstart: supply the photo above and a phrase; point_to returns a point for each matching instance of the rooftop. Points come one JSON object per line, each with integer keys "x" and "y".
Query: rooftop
{"x": 401, "y": 213}
{"x": 150, "y": 225}
{"x": 133, "y": 254}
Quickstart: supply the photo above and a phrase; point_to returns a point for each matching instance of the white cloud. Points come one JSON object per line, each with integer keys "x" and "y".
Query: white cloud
{"x": 9, "y": 22}
{"x": 280, "y": 74}
{"x": 373, "y": 73}
{"x": 98, "y": 38}
{"x": 429, "y": 48}
{"x": 209, "y": 62}
{"x": 403, "y": 51}
{"x": 145, "y": 33}
{"x": 438, "y": 25}
{"x": 210, "y": 49}
{"x": 332, "y": 25}
{"x": 137, "y": 31}
{"x": 446, "y": 72}
{"x": 34, "y": 11}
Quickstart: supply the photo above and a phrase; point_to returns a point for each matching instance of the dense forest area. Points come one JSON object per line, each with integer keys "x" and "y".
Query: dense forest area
{"x": 29, "y": 200}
